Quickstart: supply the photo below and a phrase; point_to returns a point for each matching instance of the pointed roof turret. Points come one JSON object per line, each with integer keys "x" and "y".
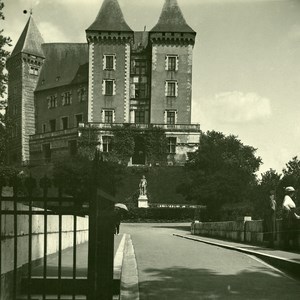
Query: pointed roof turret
{"x": 171, "y": 19}
{"x": 110, "y": 18}
{"x": 30, "y": 41}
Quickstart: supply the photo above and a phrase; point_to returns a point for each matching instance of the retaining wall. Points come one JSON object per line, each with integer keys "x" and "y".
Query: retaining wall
{"x": 8, "y": 236}
{"x": 246, "y": 230}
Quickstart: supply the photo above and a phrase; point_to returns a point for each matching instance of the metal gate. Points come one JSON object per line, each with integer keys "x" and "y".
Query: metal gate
{"x": 25, "y": 284}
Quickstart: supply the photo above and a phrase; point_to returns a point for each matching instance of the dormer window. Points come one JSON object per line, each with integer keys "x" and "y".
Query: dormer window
{"x": 57, "y": 78}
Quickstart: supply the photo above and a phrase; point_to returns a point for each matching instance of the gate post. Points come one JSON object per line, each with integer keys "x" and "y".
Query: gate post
{"x": 101, "y": 247}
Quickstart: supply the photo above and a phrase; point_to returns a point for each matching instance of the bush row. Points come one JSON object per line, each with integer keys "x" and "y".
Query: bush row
{"x": 160, "y": 214}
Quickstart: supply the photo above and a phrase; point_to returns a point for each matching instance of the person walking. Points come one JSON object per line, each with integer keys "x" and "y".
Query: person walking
{"x": 270, "y": 219}
{"x": 289, "y": 218}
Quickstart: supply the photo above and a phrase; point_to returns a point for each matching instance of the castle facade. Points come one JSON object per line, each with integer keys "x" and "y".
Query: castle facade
{"x": 119, "y": 77}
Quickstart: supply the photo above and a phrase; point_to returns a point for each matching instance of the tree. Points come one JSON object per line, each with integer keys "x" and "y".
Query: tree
{"x": 4, "y": 41}
{"x": 221, "y": 171}
{"x": 5, "y": 126}
{"x": 76, "y": 176}
{"x": 270, "y": 180}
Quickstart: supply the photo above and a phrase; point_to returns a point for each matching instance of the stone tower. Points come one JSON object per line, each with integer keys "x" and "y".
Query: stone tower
{"x": 23, "y": 68}
{"x": 172, "y": 41}
{"x": 109, "y": 38}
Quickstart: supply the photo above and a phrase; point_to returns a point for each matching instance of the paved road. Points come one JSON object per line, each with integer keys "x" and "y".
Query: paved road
{"x": 174, "y": 268}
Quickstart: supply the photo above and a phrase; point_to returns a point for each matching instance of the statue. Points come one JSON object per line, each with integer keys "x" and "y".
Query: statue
{"x": 143, "y": 186}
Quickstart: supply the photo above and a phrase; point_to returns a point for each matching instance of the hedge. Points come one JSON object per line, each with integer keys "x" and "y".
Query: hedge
{"x": 160, "y": 214}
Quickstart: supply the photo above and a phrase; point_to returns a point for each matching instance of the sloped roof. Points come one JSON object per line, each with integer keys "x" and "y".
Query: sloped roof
{"x": 65, "y": 63}
{"x": 171, "y": 19}
{"x": 110, "y": 18}
{"x": 30, "y": 40}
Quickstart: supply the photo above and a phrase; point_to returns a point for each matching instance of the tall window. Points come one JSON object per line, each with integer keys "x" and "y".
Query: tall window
{"x": 82, "y": 95}
{"x": 172, "y": 62}
{"x": 107, "y": 143}
{"x": 172, "y": 145}
{"x": 109, "y": 62}
{"x": 64, "y": 123}
{"x": 66, "y": 98}
{"x": 139, "y": 117}
{"x": 108, "y": 116}
{"x": 52, "y": 124}
{"x": 52, "y": 101}
{"x": 109, "y": 87}
{"x": 171, "y": 117}
{"x": 171, "y": 88}
{"x": 78, "y": 119}
{"x": 139, "y": 67}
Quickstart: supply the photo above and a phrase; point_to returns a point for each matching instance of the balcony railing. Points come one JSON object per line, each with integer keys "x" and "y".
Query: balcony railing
{"x": 99, "y": 126}
{"x": 58, "y": 133}
{"x": 171, "y": 127}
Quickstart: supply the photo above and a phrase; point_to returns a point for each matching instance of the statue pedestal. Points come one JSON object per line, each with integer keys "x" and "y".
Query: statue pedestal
{"x": 143, "y": 201}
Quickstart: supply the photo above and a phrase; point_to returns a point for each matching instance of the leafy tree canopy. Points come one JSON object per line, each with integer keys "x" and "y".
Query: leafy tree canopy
{"x": 221, "y": 171}
{"x": 4, "y": 41}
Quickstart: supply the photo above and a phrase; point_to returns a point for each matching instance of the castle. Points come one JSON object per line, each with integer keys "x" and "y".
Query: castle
{"x": 118, "y": 77}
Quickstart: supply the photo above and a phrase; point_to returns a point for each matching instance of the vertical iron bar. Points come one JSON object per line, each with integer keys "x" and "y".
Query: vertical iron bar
{"x": 74, "y": 254}
{"x": 59, "y": 244}
{"x": 45, "y": 248}
{"x": 15, "y": 246}
{"x": 29, "y": 246}
{"x": 0, "y": 236}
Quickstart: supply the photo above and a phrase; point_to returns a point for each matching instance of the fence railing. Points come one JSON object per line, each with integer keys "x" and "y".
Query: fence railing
{"x": 33, "y": 229}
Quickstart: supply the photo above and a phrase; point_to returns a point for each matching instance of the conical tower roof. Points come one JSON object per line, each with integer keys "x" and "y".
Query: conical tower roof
{"x": 110, "y": 18}
{"x": 30, "y": 40}
{"x": 171, "y": 19}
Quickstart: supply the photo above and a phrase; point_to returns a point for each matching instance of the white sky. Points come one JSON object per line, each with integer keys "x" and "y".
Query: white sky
{"x": 246, "y": 76}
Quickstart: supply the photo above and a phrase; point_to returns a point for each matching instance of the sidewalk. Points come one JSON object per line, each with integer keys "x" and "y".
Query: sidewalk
{"x": 287, "y": 261}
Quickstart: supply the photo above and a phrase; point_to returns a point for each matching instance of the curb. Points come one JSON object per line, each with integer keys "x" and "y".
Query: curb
{"x": 129, "y": 287}
{"x": 290, "y": 266}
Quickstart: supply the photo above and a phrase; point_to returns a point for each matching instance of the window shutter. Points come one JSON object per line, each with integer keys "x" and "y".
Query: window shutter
{"x": 166, "y": 88}
{"x": 114, "y": 116}
{"x": 115, "y": 62}
{"x": 55, "y": 100}
{"x": 114, "y": 87}
{"x": 63, "y": 99}
{"x": 70, "y": 97}
{"x": 166, "y": 62}
{"x": 132, "y": 91}
{"x": 102, "y": 115}
{"x": 104, "y": 62}
{"x": 165, "y": 116}
{"x": 175, "y": 116}
{"x": 103, "y": 87}
{"x": 176, "y": 89}
{"x": 177, "y": 63}
{"x": 49, "y": 103}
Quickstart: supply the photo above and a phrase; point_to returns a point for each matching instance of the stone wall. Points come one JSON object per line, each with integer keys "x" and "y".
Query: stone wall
{"x": 8, "y": 235}
{"x": 248, "y": 231}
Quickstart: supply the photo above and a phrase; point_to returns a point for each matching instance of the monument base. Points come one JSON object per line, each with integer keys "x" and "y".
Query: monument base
{"x": 143, "y": 201}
